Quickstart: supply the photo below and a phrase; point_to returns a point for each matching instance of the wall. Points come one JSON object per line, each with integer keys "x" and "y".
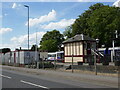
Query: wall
{"x": 21, "y": 57}
{"x": 75, "y": 48}
{"x": 12, "y": 57}
{"x": 18, "y": 57}
{"x": 75, "y": 59}
{"x": 44, "y": 55}
{"x": 6, "y": 59}
{"x": 32, "y": 57}
{"x": 1, "y": 58}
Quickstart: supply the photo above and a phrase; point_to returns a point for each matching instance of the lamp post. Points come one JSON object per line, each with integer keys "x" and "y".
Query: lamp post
{"x": 97, "y": 41}
{"x": 36, "y": 54}
{"x": 28, "y": 27}
{"x": 28, "y": 24}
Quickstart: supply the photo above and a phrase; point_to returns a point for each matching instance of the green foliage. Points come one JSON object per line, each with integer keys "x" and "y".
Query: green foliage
{"x": 47, "y": 64}
{"x": 81, "y": 25}
{"x": 51, "y": 41}
{"x": 5, "y": 50}
{"x": 49, "y": 45}
{"x": 99, "y": 21}
{"x": 103, "y": 23}
{"x": 68, "y": 32}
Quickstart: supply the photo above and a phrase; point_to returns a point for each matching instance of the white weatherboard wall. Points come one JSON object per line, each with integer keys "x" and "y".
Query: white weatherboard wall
{"x": 12, "y": 57}
{"x": 1, "y": 58}
{"x": 34, "y": 56}
{"x": 6, "y": 59}
{"x": 44, "y": 55}
{"x": 24, "y": 57}
{"x": 75, "y": 48}
{"x": 17, "y": 57}
{"x": 75, "y": 59}
{"x": 21, "y": 57}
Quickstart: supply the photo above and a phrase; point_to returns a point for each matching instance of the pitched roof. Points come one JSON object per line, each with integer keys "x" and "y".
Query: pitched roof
{"x": 79, "y": 37}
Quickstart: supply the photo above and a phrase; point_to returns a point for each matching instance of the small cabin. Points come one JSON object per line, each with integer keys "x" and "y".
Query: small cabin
{"x": 79, "y": 47}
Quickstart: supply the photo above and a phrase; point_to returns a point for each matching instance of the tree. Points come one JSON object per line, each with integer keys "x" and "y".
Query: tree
{"x": 100, "y": 21}
{"x": 51, "y": 41}
{"x": 80, "y": 25}
{"x": 68, "y": 32}
{"x": 33, "y": 48}
{"x": 49, "y": 45}
{"x": 103, "y": 23}
{"x": 5, "y": 50}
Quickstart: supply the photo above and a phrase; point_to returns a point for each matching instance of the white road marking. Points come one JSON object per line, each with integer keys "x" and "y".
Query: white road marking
{"x": 5, "y": 76}
{"x": 33, "y": 84}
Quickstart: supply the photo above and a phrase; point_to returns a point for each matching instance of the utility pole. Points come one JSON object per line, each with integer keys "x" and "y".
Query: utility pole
{"x": 36, "y": 55}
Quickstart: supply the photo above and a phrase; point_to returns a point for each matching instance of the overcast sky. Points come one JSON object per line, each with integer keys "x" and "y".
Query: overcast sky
{"x": 44, "y": 16}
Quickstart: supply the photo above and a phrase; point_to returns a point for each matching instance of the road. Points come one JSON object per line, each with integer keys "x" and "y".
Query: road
{"x": 16, "y": 79}
{"x": 12, "y": 79}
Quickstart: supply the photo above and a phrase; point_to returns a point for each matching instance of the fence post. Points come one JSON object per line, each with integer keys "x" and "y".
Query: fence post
{"x": 43, "y": 62}
{"x": 72, "y": 64}
{"x": 55, "y": 63}
{"x": 95, "y": 62}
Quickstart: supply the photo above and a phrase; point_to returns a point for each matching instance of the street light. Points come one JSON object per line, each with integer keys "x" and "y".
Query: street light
{"x": 28, "y": 27}
{"x": 28, "y": 24}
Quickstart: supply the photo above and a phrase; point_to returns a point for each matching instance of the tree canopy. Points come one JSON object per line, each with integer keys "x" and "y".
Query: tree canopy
{"x": 100, "y": 21}
{"x": 51, "y": 41}
{"x": 5, "y": 50}
{"x": 68, "y": 32}
{"x": 103, "y": 23}
{"x": 80, "y": 25}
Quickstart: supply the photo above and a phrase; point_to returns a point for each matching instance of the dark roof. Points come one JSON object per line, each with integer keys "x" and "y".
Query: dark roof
{"x": 79, "y": 37}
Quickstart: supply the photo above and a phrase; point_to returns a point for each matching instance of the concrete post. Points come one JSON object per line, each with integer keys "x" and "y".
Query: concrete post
{"x": 95, "y": 62}
{"x": 72, "y": 64}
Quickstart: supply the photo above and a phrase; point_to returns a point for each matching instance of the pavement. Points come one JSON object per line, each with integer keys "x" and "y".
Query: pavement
{"x": 80, "y": 80}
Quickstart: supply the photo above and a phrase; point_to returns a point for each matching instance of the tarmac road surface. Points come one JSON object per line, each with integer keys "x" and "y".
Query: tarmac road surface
{"x": 16, "y": 79}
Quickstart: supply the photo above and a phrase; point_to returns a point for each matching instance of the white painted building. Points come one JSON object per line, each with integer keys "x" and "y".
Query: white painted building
{"x": 26, "y": 57}
{"x": 6, "y": 59}
{"x": 43, "y": 55}
{"x": 20, "y": 57}
{"x": 80, "y": 47}
{"x": 1, "y": 58}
